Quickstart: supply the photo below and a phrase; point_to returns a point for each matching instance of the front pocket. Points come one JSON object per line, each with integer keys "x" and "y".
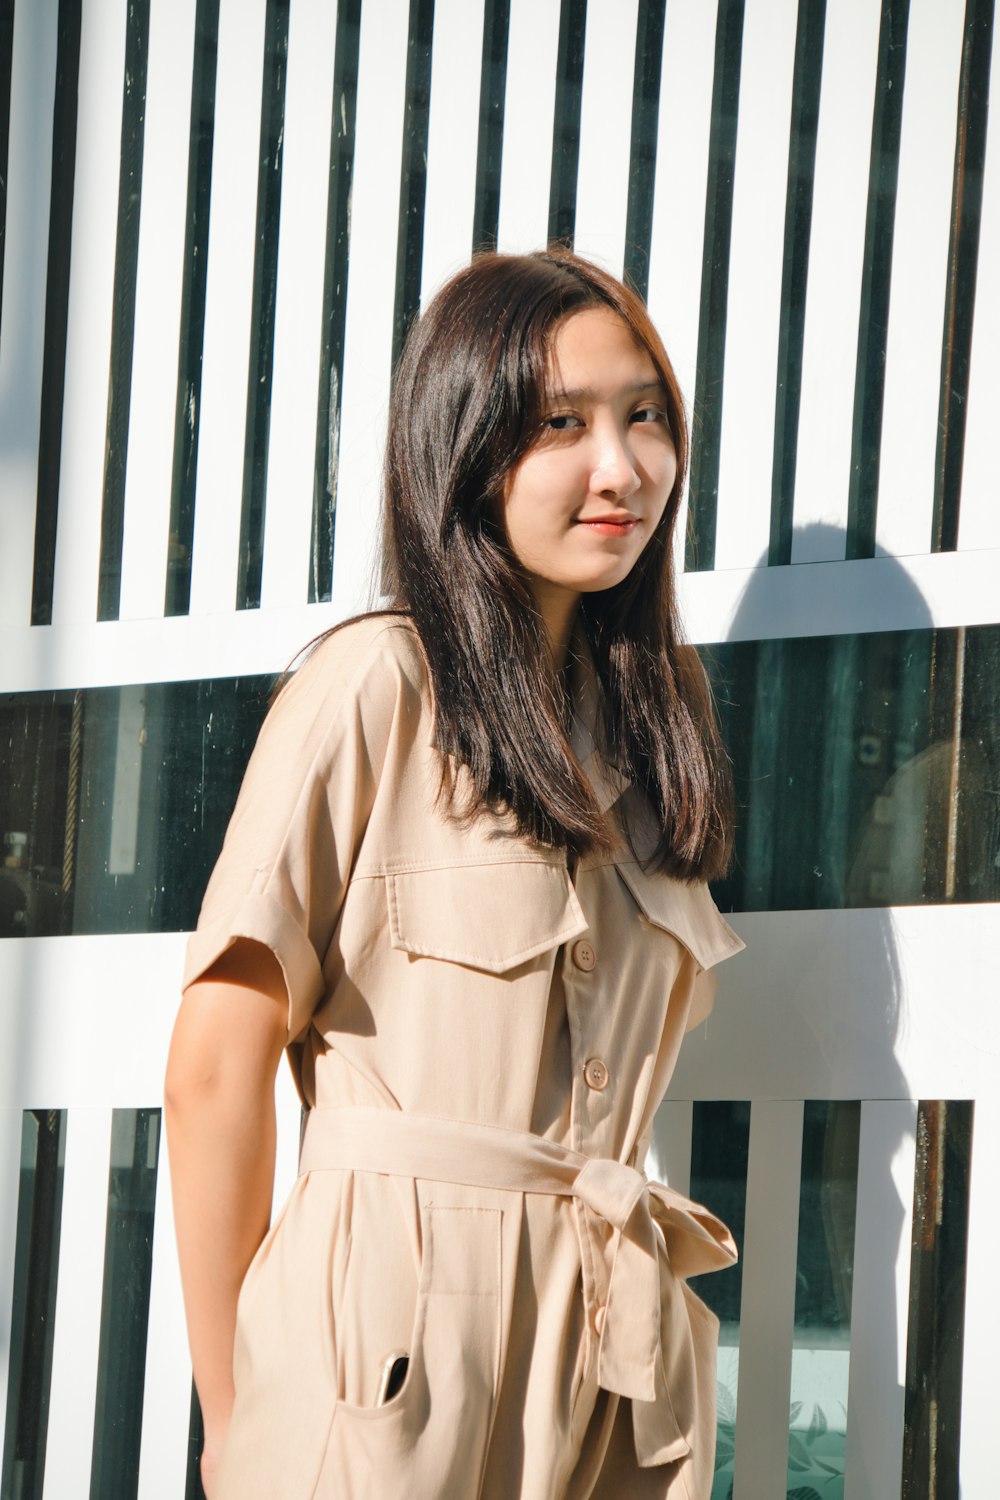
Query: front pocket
{"x": 430, "y": 1440}
{"x": 489, "y": 916}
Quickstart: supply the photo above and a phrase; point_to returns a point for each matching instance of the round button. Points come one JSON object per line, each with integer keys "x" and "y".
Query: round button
{"x": 584, "y": 956}
{"x": 595, "y": 1074}
{"x": 600, "y": 1313}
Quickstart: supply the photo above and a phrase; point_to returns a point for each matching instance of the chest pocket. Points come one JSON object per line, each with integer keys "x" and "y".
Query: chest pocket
{"x": 491, "y": 917}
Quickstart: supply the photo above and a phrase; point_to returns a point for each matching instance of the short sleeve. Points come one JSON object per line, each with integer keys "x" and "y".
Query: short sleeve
{"x": 301, "y": 813}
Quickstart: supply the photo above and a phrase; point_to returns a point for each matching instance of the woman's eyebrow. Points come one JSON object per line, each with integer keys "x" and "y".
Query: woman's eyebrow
{"x": 587, "y": 393}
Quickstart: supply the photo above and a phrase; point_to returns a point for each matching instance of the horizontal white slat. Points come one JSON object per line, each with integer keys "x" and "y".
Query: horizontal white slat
{"x": 919, "y": 276}
{"x": 605, "y": 132}
{"x": 767, "y": 1306}
{"x": 861, "y": 1004}
{"x": 756, "y": 260}
{"x": 77, "y": 1338}
{"x": 452, "y": 141}
{"x": 228, "y": 305}
{"x": 305, "y": 186}
{"x": 159, "y": 279}
{"x": 91, "y": 291}
{"x": 836, "y": 263}
{"x": 529, "y": 111}
{"x": 979, "y": 519}
{"x": 29, "y": 165}
{"x": 371, "y": 286}
{"x": 881, "y": 1274}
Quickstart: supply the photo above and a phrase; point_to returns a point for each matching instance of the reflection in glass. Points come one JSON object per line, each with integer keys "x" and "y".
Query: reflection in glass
{"x": 36, "y": 1270}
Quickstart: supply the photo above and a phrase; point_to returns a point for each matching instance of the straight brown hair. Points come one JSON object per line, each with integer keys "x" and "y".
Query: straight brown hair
{"x": 467, "y": 402}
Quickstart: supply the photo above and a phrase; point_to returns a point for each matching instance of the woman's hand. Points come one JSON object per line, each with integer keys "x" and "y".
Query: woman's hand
{"x": 219, "y": 1105}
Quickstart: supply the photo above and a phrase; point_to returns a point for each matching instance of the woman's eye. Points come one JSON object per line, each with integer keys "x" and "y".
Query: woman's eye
{"x": 649, "y": 414}
{"x": 561, "y": 422}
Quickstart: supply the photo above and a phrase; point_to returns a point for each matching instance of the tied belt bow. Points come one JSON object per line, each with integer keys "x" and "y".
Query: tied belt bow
{"x": 630, "y": 1356}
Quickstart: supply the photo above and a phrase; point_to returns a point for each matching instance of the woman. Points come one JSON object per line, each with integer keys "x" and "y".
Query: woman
{"x": 464, "y": 885}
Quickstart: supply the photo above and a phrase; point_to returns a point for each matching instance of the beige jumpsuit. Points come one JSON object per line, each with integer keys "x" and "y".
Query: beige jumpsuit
{"x": 483, "y": 1042}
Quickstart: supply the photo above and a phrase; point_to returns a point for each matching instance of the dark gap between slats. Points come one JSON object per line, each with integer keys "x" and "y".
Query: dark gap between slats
{"x": 869, "y": 388}
{"x": 56, "y": 308}
{"x": 935, "y": 1331}
{"x": 128, "y": 1268}
{"x": 335, "y": 272}
{"x": 706, "y": 426}
{"x": 807, "y": 77}
{"x": 492, "y": 90}
{"x": 6, "y": 63}
{"x": 413, "y": 171}
{"x": 824, "y": 1268}
{"x": 566, "y": 127}
{"x": 187, "y": 414}
{"x": 642, "y": 159}
{"x": 123, "y": 308}
{"x": 963, "y": 262}
{"x": 196, "y": 1441}
{"x": 250, "y": 564}
{"x": 32, "y": 1327}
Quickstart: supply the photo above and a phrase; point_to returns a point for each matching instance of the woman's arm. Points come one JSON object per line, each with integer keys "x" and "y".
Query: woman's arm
{"x": 219, "y": 1099}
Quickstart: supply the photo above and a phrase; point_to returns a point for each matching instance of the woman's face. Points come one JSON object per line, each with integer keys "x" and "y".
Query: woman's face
{"x": 586, "y": 497}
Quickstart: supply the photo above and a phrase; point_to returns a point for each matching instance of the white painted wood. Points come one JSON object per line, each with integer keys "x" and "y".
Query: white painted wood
{"x": 29, "y": 166}
{"x": 669, "y": 1158}
{"x": 833, "y": 296}
{"x": 919, "y": 277}
{"x": 529, "y": 115}
{"x": 756, "y": 257}
{"x": 848, "y": 1005}
{"x": 678, "y": 232}
{"x": 979, "y": 518}
{"x": 370, "y": 300}
{"x": 76, "y": 1342}
{"x": 982, "y": 1323}
{"x": 606, "y": 132}
{"x": 91, "y": 286}
{"x": 452, "y": 141}
{"x": 159, "y": 280}
{"x": 879, "y": 1305}
{"x": 166, "y": 1403}
{"x": 767, "y": 1307}
{"x": 299, "y": 303}
{"x": 228, "y": 306}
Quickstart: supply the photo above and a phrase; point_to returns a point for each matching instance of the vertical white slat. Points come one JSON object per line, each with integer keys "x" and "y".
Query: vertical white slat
{"x": 919, "y": 277}
{"x": 91, "y": 290}
{"x": 370, "y": 299}
{"x": 73, "y": 1397}
{"x": 11, "y": 1125}
{"x": 756, "y": 259}
{"x": 159, "y": 278}
{"x": 768, "y": 1303}
{"x": 979, "y": 517}
{"x": 529, "y": 114}
{"x": 676, "y": 250}
{"x": 836, "y": 263}
{"x": 166, "y": 1401}
{"x": 228, "y": 306}
{"x": 669, "y": 1158}
{"x": 299, "y": 303}
{"x": 606, "y": 131}
{"x": 29, "y": 166}
{"x": 886, "y": 1156}
{"x": 452, "y": 141}
{"x": 978, "y": 1450}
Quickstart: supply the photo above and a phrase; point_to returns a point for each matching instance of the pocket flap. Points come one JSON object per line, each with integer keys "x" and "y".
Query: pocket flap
{"x": 491, "y": 917}
{"x": 686, "y": 911}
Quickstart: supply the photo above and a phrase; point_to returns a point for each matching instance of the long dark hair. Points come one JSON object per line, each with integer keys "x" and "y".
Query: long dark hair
{"x": 466, "y": 405}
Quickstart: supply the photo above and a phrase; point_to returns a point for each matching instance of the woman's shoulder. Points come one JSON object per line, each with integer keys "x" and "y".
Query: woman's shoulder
{"x": 375, "y": 658}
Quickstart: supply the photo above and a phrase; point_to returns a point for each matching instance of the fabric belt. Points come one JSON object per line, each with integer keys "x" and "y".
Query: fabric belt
{"x": 398, "y": 1144}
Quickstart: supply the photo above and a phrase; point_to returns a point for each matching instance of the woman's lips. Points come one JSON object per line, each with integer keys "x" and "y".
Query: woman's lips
{"x": 611, "y": 525}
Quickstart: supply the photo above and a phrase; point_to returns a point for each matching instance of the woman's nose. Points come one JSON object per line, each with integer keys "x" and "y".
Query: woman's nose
{"x": 614, "y": 469}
